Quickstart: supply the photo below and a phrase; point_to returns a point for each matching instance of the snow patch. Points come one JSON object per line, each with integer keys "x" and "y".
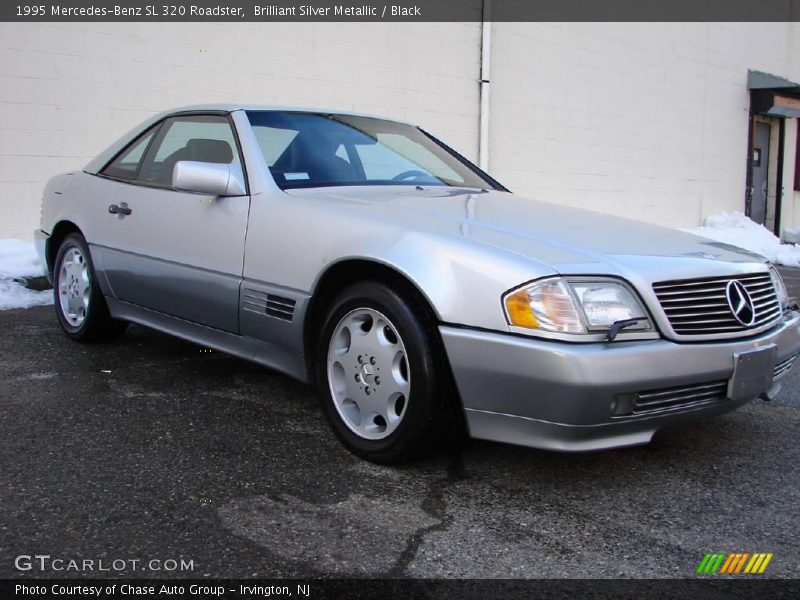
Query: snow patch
{"x": 18, "y": 259}
{"x": 738, "y": 230}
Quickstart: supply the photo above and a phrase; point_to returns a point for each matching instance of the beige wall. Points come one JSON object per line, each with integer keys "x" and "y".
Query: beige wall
{"x": 646, "y": 120}
{"x": 790, "y": 207}
{"x": 68, "y": 90}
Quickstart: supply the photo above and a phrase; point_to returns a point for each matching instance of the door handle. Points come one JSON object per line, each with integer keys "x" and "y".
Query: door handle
{"x": 119, "y": 209}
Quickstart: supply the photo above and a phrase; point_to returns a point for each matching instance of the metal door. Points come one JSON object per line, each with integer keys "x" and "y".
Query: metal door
{"x": 758, "y": 202}
{"x": 176, "y": 252}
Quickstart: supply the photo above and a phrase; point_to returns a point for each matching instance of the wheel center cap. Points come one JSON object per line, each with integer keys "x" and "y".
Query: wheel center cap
{"x": 367, "y": 372}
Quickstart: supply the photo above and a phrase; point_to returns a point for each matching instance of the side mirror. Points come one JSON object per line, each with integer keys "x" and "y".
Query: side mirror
{"x": 208, "y": 178}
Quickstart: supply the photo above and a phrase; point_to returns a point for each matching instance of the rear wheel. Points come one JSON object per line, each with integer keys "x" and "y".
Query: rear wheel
{"x": 383, "y": 376}
{"x": 80, "y": 306}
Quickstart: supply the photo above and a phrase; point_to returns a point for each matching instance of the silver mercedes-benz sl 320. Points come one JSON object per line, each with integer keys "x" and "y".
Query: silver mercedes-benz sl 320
{"x": 419, "y": 294}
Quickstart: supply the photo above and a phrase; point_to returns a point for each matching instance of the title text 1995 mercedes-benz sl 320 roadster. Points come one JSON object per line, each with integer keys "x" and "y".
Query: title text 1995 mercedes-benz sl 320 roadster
{"x": 366, "y": 256}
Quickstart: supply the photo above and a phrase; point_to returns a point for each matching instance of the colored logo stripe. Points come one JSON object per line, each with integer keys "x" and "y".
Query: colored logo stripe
{"x": 711, "y": 563}
{"x": 734, "y": 562}
{"x": 758, "y": 563}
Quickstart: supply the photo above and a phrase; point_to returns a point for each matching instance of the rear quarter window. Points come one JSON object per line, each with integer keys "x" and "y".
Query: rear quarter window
{"x": 126, "y": 164}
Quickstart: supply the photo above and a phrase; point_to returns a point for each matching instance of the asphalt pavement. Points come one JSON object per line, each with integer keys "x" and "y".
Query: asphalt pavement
{"x": 153, "y": 449}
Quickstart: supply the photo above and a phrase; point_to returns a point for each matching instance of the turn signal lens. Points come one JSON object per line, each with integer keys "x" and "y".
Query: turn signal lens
{"x": 519, "y": 310}
{"x": 545, "y": 305}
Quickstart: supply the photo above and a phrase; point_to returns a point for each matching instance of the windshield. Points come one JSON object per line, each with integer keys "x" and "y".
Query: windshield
{"x": 319, "y": 150}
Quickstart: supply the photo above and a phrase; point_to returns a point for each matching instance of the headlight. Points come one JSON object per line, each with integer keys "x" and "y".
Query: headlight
{"x": 577, "y": 306}
{"x": 780, "y": 288}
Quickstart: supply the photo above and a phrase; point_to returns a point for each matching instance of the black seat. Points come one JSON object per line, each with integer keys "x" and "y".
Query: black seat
{"x": 213, "y": 151}
{"x": 317, "y": 158}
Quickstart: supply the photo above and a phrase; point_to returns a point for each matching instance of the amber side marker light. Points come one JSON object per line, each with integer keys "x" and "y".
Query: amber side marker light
{"x": 519, "y": 310}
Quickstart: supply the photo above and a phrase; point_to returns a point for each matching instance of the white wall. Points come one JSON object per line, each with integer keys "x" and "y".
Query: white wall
{"x": 68, "y": 90}
{"x": 790, "y": 207}
{"x": 646, "y": 120}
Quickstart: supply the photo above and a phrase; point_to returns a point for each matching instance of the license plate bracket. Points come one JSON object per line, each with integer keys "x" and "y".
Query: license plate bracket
{"x": 752, "y": 372}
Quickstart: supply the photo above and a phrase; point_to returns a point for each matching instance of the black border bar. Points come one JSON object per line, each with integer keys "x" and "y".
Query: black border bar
{"x": 707, "y": 588}
{"x": 401, "y": 10}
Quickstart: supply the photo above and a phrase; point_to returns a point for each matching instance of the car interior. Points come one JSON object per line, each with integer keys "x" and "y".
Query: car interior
{"x": 197, "y": 149}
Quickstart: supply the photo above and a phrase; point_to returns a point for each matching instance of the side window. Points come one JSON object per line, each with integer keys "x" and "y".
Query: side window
{"x": 202, "y": 138}
{"x": 126, "y": 165}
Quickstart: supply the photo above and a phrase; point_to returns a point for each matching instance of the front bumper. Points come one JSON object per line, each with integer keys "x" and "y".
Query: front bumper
{"x": 566, "y": 396}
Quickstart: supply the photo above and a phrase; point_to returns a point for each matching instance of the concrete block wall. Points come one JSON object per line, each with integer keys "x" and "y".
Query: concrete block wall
{"x": 643, "y": 120}
{"x": 68, "y": 90}
{"x": 647, "y": 120}
{"x": 790, "y": 206}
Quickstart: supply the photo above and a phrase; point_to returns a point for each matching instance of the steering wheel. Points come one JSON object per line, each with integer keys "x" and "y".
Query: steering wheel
{"x": 412, "y": 174}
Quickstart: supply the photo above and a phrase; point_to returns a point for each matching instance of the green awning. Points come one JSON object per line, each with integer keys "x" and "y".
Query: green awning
{"x": 773, "y": 96}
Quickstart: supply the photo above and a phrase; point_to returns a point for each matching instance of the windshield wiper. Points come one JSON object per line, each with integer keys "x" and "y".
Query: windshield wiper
{"x": 618, "y": 326}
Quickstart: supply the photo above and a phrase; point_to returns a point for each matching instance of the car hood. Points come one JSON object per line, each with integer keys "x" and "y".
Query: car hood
{"x": 570, "y": 240}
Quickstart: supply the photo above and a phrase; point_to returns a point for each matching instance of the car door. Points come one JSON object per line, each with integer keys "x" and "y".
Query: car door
{"x": 176, "y": 252}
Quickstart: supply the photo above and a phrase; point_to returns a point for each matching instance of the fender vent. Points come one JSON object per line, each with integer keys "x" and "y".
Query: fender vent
{"x": 270, "y": 304}
{"x": 280, "y": 307}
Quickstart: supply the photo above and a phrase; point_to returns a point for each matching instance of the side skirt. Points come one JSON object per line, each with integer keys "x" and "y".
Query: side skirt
{"x": 270, "y": 355}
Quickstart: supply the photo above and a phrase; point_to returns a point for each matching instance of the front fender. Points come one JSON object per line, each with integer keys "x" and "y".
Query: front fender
{"x": 463, "y": 281}
{"x": 292, "y": 242}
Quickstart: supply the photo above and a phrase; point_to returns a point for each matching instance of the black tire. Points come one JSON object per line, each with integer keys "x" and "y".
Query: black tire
{"x": 431, "y": 415}
{"x": 97, "y": 325}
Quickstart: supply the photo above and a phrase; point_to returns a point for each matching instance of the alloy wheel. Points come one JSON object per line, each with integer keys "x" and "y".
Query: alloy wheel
{"x": 368, "y": 373}
{"x": 74, "y": 287}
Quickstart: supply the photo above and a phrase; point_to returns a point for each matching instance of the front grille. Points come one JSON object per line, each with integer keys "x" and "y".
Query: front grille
{"x": 783, "y": 367}
{"x": 700, "y": 306}
{"x": 679, "y": 397}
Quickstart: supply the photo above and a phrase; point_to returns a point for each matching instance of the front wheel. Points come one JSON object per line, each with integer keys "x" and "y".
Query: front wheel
{"x": 383, "y": 376}
{"x": 80, "y": 306}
